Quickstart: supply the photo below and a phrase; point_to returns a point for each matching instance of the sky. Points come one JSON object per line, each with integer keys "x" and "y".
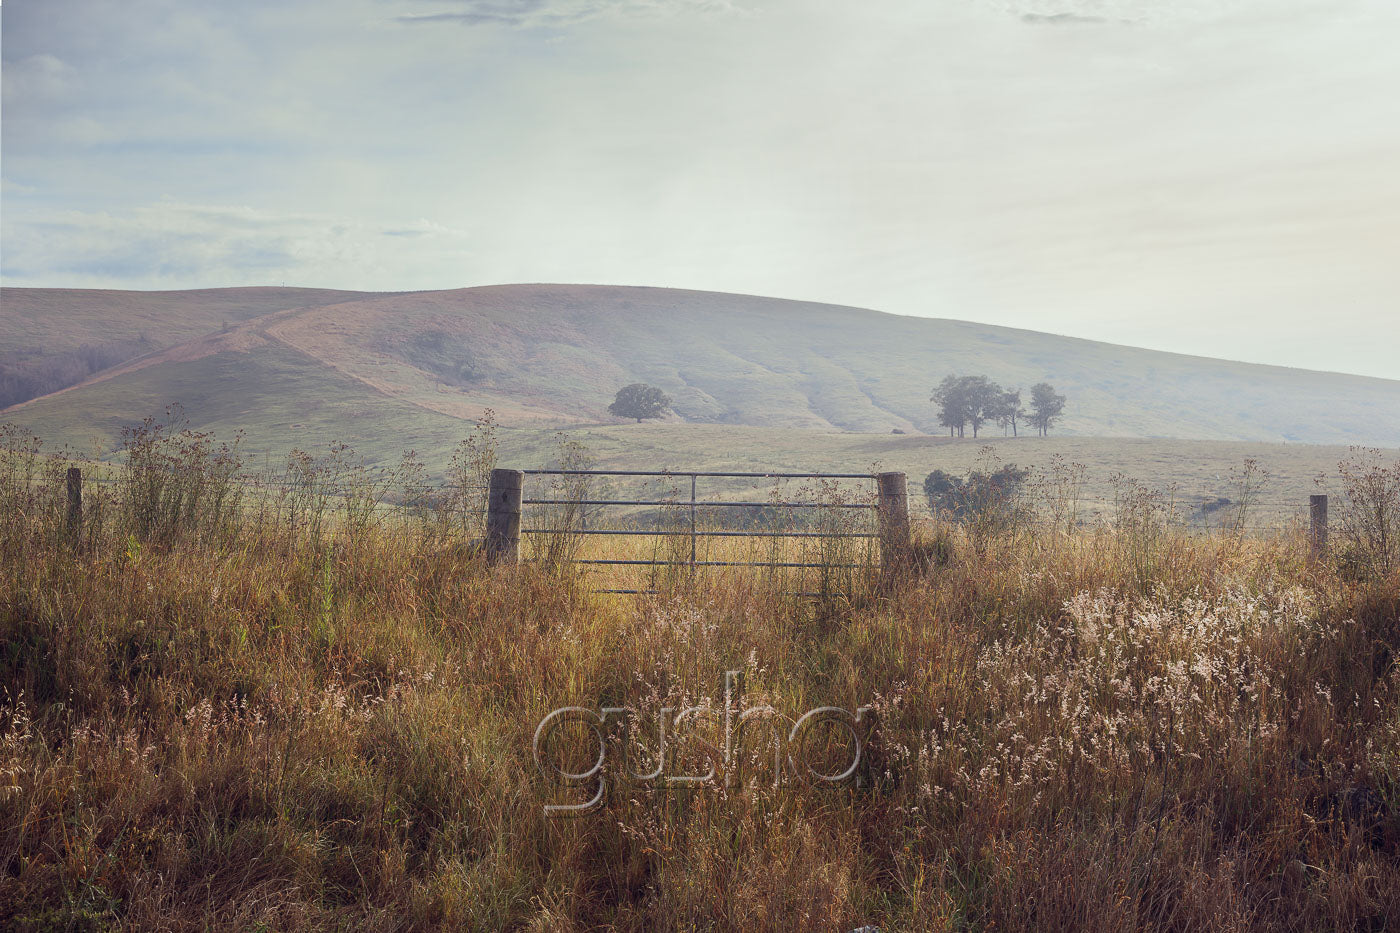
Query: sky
{"x": 1217, "y": 177}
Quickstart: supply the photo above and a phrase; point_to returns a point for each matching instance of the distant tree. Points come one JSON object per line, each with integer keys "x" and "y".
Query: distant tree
{"x": 639, "y": 401}
{"x": 1009, "y": 410}
{"x": 1046, "y": 406}
{"x": 983, "y": 401}
{"x": 952, "y": 404}
{"x": 967, "y": 400}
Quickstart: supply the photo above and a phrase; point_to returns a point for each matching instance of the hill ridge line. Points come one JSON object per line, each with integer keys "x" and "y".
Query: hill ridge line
{"x": 831, "y": 306}
{"x": 555, "y": 354}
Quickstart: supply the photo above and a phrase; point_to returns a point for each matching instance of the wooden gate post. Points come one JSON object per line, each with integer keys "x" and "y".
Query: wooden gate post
{"x": 503, "y": 516}
{"x": 1317, "y": 530}
{"x": 894, "y": 520}
{"x": 75, "y": 504}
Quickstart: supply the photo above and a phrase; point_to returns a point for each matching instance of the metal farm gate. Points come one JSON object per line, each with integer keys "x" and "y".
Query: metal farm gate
{"x": 506, "y": 504}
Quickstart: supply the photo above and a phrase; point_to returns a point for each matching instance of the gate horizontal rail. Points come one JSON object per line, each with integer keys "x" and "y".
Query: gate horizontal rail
{"x": 812, "y": 593}
{"x": 703, "y": 533}
{"x": 704, "y": 505}
{"x": 506, "y": 501}
{"x": 707, "y": 563}
{"x": 699, "y": 473}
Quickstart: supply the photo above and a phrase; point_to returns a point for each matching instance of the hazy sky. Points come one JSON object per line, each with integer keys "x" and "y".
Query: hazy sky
{"x": 1218, "y": 177}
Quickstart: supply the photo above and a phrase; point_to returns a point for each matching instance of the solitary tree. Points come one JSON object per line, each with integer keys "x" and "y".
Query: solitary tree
{"x": 1009, "y": 410}
{"x": 639, "y": 401}
{"x": 951, "y": 400}
{"x": 983, "y": 401}
{"x": 1046, "y": 406}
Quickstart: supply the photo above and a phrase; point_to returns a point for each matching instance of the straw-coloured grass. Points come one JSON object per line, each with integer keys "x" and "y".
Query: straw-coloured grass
{"x": 213, "y": 721}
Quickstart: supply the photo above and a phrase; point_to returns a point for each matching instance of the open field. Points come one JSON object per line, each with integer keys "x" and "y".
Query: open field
{"x": 1201, "y": 471}
{"x": 235, "y": 718}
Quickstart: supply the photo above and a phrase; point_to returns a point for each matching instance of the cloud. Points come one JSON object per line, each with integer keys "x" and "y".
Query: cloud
{"x": 173, "y": 244}
{"x": 1109, "y": 12}
{"x": 40, "y": 77}
{"x": 536, "y": 13}
{"x": 1062, "y": 19}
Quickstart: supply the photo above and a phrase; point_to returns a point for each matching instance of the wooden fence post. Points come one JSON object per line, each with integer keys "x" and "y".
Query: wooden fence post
{"x": 75, "y": 504}
{"x": 1317, "y": 530}
{"x": 894, "y": 520}
{"x": 503, "y": 516}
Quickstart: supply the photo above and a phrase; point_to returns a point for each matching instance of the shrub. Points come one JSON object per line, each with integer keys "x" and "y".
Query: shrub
{"x": 178, "y": 483}
{"x": 1370, "y": 520}
{"x": 980, "y": 498}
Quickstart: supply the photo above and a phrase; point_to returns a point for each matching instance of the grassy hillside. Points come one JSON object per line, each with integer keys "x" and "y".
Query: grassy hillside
{"x": 545, "y": 355}
{"x": 52, "y": 339}
{"x": 282, "y": 399}
{"x": 736, "y": 359}
{"x": 42, "y": 320}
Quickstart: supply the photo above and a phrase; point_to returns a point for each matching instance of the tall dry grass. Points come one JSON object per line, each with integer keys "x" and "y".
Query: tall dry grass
{"x": 260, "y": 719}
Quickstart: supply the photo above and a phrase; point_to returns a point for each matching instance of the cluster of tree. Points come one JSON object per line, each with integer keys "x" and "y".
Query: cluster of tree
{"x": 973, "y": 401}
{"x": 977, "y": 496}
{"x": 24, "y": 376}
{"x": 639, "y": 401}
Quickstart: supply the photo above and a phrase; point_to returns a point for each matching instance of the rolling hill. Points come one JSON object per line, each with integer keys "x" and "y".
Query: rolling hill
{"x": 289, "y": 365}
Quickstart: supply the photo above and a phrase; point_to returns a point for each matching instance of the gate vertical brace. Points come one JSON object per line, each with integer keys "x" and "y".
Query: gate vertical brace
{"x": 1317, "y": 525}
{"x": 894, "y": 521}
{"x": 503, "y": 504}
{"x": 692, "y": 525}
